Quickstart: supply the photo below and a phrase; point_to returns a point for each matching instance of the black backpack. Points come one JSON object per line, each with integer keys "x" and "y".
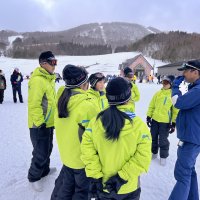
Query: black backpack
{"x": 2, "y": 83}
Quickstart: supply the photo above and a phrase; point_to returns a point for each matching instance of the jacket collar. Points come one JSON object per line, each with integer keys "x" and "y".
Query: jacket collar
{"x": 197, "y": 82}
{"x": 39, "y": 71}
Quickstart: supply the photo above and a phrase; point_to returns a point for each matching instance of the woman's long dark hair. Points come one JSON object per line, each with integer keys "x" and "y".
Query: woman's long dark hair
{"x": 113, "y": 121}
{"x": 62, "y": 103}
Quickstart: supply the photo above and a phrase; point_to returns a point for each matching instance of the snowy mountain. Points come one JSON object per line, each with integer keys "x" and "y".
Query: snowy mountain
{"x": 114, "y": 34}
{"x": 153, "y": 30}
{"x": 16, "y": 148}
{"x": 170, "y": 47}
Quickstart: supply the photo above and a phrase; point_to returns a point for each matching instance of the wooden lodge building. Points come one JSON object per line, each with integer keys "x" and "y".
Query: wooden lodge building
{"x": 140, "y": 66}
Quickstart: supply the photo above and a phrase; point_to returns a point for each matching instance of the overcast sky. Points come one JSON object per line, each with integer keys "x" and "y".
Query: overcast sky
{"x": 53, "y": 15}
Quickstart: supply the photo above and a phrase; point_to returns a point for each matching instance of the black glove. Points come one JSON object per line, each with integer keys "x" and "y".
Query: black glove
{"x": 149, "y": 121}
{"x": 95, "y": 187}
{"x": 114, "y": 183}
{"x": 172, "y": 127}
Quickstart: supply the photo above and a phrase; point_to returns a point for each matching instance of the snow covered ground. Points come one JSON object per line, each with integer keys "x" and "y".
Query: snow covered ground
{"x": 15, "y": 145}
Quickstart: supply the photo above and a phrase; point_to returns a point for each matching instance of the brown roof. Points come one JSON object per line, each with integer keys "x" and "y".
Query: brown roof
{"x": 128, "y": 62}
{"x": 131, "y": 60}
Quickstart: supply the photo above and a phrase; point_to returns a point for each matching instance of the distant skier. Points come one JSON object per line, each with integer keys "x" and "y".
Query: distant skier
{"x": 158, "y": 78}
{"x": 150, "y": 78}
{"x": 2, "y": 86}
{"x": 16, "y": 79}
{"x": 161, "y": 117}
{"x": 134, "y": 78}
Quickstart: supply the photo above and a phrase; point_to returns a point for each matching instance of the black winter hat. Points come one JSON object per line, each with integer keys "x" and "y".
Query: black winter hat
{"x": 169, "y": 78}
{"x": 94, "y": 78}
{"x": 118, "y": 91}
{"x": 74, "y": 76}
{"x": 128, "y": 71}
{"x": 46, "y": 55}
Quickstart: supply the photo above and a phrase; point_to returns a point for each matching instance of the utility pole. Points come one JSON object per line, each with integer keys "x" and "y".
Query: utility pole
{"x": 154, "y": 64}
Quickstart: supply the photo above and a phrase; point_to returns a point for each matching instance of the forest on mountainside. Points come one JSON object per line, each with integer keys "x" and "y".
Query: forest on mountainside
{"x": 170, "y": 47}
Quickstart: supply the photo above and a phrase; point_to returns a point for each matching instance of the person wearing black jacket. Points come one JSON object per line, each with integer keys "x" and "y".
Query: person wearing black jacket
{"x": 16, "y": 79}
{"x": 2, "y": 86}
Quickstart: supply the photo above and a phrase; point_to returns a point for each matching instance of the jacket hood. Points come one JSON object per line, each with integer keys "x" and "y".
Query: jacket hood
{"x": 128, "y": 126}
{"x": 39, "y": 71}
{"x": 166, "y": 91}
{"x": 78, "y": 96}
{"x": 95, "y": 92}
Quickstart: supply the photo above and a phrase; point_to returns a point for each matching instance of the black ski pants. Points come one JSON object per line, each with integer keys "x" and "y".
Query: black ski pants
{"x": 42, "y": 141}
{"x": 1, "y": 95}
{"x": 17, "y": 89}
{"x": 160, "y": 133}
{"x": 71, "y": 184}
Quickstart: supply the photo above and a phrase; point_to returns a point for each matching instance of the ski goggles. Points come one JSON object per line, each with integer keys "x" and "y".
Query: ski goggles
{"x": 51, "y": 61}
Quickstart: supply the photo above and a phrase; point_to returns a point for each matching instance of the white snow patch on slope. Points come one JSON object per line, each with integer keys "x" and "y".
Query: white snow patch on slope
{"x": 103, "y": 34}
{"x": 11, "y": 39}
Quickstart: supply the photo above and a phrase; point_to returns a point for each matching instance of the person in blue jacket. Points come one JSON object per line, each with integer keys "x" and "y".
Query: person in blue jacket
{"x": 188, "y": 132}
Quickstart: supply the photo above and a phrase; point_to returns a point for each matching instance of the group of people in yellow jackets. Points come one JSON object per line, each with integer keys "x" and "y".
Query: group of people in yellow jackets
{"x": 104, "y": 147}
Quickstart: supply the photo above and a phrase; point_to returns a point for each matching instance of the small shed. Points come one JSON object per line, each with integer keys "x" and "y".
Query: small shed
{"x": 139, "y": 65}
{"x": 171, "y": 69}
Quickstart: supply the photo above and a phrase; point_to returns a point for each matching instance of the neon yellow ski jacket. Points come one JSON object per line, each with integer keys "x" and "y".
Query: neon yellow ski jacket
{"x": 98, "y": 98}
{"x": 129, "y": 156}
{"x": 41, "y": 98}
{"x": 135, "y": 95}
{"x": 161, "y": 108}
{"x": 69, "y": 130}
